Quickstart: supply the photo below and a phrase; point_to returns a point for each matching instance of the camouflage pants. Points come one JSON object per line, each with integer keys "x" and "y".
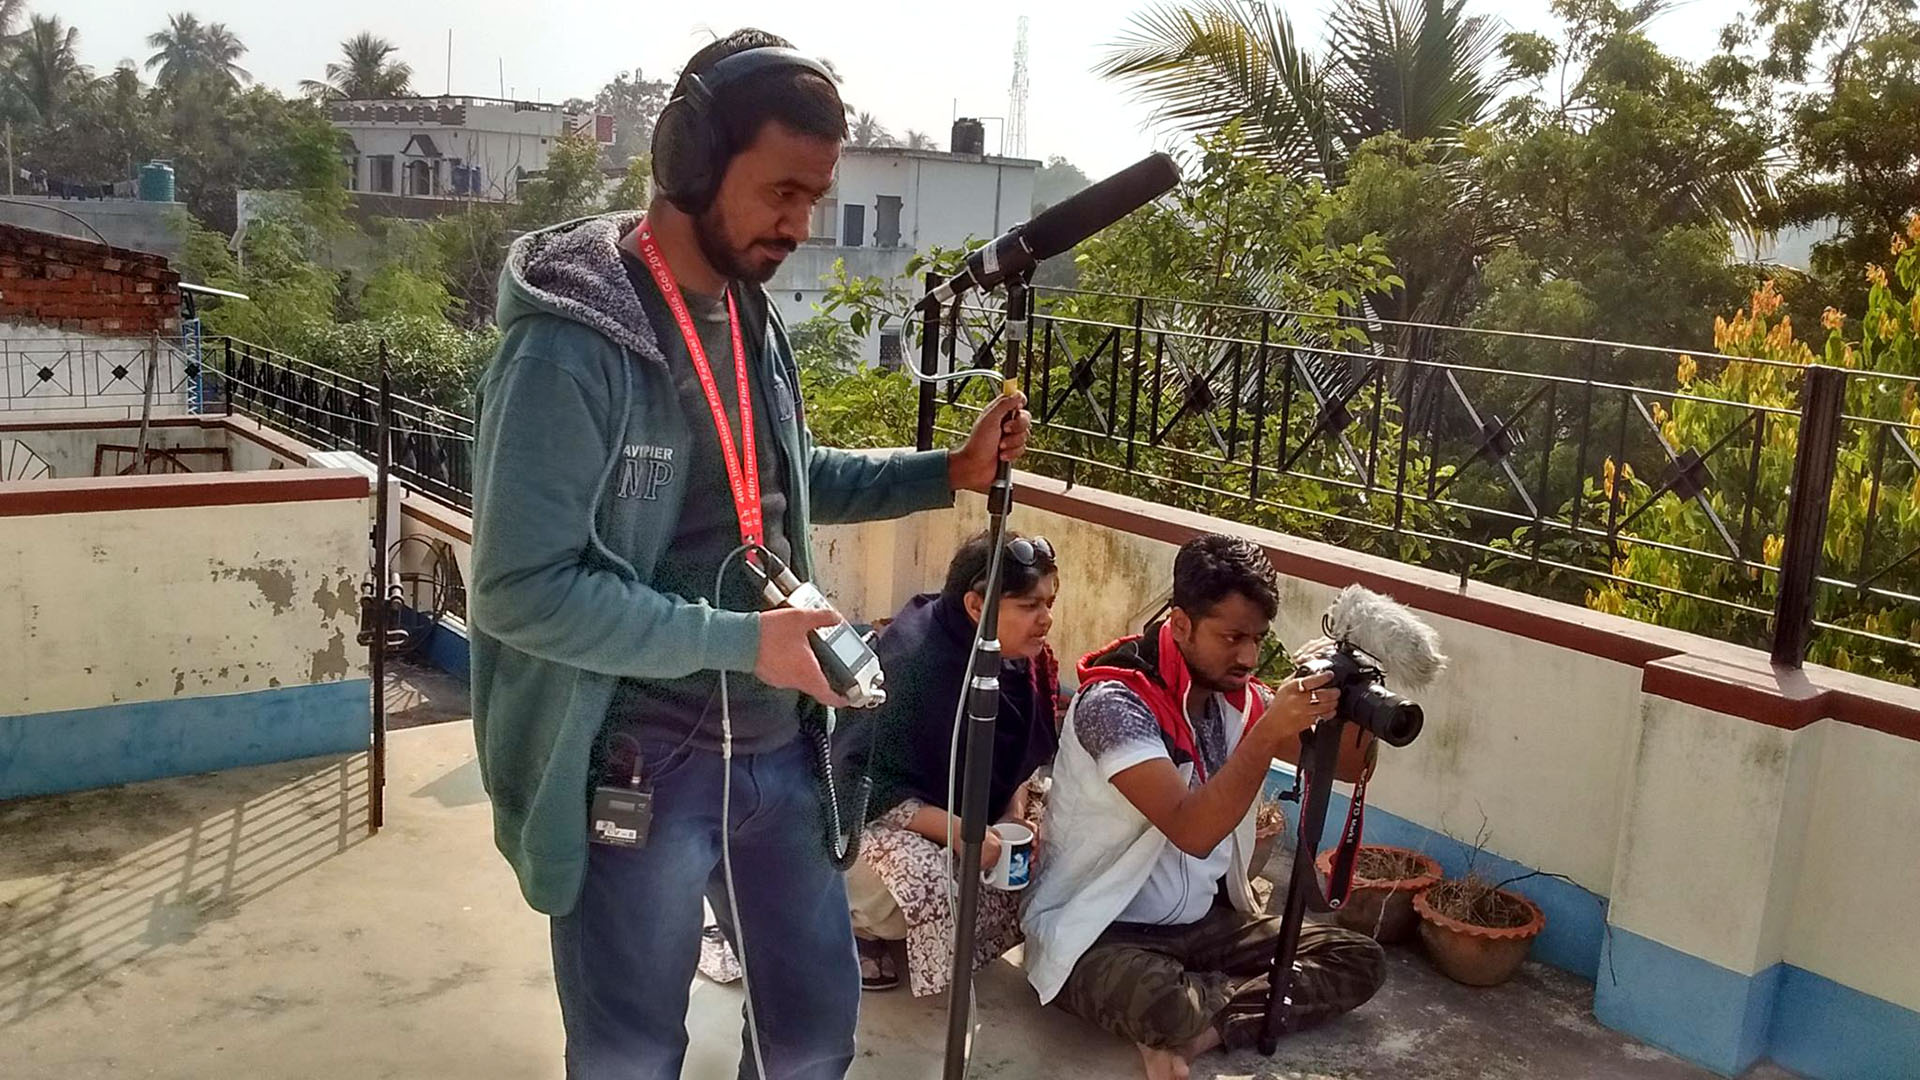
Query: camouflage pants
{"x": 1163, "y": 986}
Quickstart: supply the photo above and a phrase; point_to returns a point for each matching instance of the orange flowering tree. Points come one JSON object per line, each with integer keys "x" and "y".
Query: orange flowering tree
{"x": 1874, "y": 504}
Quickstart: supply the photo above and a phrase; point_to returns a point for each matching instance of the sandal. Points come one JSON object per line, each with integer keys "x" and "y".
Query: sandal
{"x": 877, "y": 968}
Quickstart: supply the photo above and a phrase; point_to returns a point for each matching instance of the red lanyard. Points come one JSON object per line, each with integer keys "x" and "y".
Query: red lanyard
{"x": 743, "y": 467}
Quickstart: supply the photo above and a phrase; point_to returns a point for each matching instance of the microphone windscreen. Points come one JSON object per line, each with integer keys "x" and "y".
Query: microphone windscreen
{"x": 1072, "y": 220}
{"x": 1406, "y": 647}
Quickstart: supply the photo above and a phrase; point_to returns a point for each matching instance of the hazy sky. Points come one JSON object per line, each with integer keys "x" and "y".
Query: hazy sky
{"x": 904, "y": 62}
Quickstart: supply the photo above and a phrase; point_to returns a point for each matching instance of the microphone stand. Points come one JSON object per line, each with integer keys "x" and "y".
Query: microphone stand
{"x": 983, "y": 709}
{"x": 1317, "y": 759}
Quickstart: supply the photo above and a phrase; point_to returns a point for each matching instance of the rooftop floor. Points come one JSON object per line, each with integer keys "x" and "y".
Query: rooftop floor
{"x": 244, "y": 924}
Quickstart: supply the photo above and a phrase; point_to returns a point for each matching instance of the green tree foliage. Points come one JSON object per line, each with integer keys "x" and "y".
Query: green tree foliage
{"x": 472, "y": 245}
{"x": 189, "y": 52}
{"x": 1236, "y": 232}
{"x": 1056, "y": 180}
{"x": 1626, "y": 170}
{"x": 867, "y": 130}
{"x": 44, "y": 72}
{"x": 411, "y": 280}
{"x": 634, "y": 188}
{"x": 1424, "y": 69}
{"x": 366, "y": 71}
{"x": 1874, "y": 505}
{"x": 1839, "y": 80}
{"x": 570, "y": 186}
{"x": 1435, "y": 216}
{"x": 635, "y": 102}
{"x": 428, "y": 358}
{"x": 287, "y": 291}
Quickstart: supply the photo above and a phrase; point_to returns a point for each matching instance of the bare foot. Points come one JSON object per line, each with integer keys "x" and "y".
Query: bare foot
{"x": 1164, "y": 1064}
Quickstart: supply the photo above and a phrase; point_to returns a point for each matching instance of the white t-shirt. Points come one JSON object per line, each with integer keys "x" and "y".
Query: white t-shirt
{"x": 1119, "y": 731}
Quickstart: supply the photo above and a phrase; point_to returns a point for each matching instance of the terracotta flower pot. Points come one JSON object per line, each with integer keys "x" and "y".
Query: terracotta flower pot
{"x": 1382, "y": 908}
{"x": 1478, "y": 955}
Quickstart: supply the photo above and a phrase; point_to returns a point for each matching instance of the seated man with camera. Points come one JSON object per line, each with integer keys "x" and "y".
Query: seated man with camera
{"x": 1144, "y": 921}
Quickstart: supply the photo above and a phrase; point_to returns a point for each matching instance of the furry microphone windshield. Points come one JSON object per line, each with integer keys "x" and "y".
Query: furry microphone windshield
{"x": 1406, "y": 648}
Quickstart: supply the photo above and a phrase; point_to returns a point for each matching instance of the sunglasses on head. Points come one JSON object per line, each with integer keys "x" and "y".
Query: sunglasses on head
{"x": 1027, "y": 550}
{"x": 1024, "y": 550}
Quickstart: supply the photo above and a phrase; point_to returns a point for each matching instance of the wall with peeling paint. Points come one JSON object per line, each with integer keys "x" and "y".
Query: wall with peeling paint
{"x": 109, "y": 608}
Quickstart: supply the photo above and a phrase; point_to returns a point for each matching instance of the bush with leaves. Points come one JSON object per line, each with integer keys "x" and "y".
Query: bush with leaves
{"x": 429, "y": 359}
{"x": 411, "y": 279}
{"x": 1873, "y": 506}
{"x": 286, "y": 291}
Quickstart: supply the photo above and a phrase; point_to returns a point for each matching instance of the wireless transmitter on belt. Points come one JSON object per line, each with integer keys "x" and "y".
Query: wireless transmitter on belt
{"x": 847, "y": 660}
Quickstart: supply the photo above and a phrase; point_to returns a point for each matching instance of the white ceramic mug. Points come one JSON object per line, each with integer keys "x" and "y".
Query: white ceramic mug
{"x": 1015, "y": 868}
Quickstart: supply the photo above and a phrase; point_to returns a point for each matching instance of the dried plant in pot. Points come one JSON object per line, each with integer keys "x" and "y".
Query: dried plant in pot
{"x": 1475, "y": 932}
{"x": 1385, "y": 881}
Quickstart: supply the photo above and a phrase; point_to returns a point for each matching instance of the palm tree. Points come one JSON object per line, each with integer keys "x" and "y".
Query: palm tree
{"x": 1422, "y": 68}
{"x": 920, "y": 140}
{"x": 222, "y": 48}
{"x": 188, "y": 50}
{"x": 365, "y": 74}
{"x": 869, "y": 131}
{"x": 45, "y": 68}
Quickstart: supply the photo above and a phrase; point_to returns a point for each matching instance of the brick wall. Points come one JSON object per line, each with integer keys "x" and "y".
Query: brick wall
{"x": 84, "y": 286}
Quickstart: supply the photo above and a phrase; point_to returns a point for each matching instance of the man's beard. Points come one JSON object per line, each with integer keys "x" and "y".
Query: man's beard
{"x": 720, "y": 253}
{"x": 1205, "y": 680}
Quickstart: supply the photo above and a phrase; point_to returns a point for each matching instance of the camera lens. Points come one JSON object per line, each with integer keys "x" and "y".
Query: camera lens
{"x": 1392, "y": 718}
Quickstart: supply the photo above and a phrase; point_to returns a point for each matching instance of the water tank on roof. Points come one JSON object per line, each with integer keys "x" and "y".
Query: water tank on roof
{"x": 969, "y": 136}
{"x": 156, "y": 182}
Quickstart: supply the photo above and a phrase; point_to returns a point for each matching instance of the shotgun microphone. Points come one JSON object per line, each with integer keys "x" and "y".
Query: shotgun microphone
{"x": 1059, "y": 227}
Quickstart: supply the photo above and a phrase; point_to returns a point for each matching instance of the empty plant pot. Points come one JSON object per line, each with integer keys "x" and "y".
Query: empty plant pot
{"x": 1476, "y": 934}
{"x": 1385, "y": 881}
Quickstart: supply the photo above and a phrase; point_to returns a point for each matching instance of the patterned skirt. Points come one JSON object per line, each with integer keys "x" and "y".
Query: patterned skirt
{"x": 915, "y": 871}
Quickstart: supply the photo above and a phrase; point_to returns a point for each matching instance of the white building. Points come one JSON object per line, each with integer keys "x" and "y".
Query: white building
{"x": 887, "y": 203}
{"x": 453, "y": 147}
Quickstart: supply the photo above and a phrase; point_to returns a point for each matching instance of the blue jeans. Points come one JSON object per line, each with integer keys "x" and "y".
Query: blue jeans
{"x": 624, "y": 958}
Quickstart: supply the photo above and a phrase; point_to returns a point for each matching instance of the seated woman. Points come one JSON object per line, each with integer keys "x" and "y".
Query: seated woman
{"x": 898, "y": 888}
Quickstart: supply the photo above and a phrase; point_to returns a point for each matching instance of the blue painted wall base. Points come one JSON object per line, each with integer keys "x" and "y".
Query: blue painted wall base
{"x": 1830, "y": 1031}
{"x": 1680, "y": 1003}
{"x": 1727, "y": 1021}
{"x": 46, "y": 753}
{"x": 445, "y": 647}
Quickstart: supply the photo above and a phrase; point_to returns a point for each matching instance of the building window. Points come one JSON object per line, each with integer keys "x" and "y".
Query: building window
{"x": 353, "y": 174}
{"x": 419, "y": 178}
{"x": 886, "y": 221}
{"x": 854, "y": 227}
{"x": 892, "y": 358}
{"x": 826, "y": 216}
{"x": 382, "y": 178}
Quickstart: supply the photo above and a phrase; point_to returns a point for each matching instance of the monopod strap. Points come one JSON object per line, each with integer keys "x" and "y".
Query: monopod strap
{"x": 1340, "y": 881}
{"x": 1318, "y": 787}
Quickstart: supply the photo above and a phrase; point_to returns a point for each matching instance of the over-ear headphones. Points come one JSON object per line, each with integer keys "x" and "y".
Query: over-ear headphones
{"x": 691, "y": 150}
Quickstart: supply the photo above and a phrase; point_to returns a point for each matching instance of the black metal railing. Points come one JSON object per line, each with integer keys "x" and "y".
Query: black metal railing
{"x": 1591, "y": 471}
{"x": 1586, "y": 471}
{"x": 432, "y": 447}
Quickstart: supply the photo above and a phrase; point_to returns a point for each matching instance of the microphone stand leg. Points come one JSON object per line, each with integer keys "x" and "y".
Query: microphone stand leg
{"x": 983, "y": 708}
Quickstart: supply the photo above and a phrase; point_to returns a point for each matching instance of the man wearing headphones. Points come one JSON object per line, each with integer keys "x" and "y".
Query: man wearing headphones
{"x": 640, "y": 431}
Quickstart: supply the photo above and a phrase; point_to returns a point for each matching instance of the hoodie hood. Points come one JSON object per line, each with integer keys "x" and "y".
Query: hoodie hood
{"x": 574, "y": 270}
{"x": 1151, "y": 665}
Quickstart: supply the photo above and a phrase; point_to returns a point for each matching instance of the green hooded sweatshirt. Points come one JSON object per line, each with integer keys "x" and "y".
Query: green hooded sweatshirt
{"x": 574, "y": 503}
